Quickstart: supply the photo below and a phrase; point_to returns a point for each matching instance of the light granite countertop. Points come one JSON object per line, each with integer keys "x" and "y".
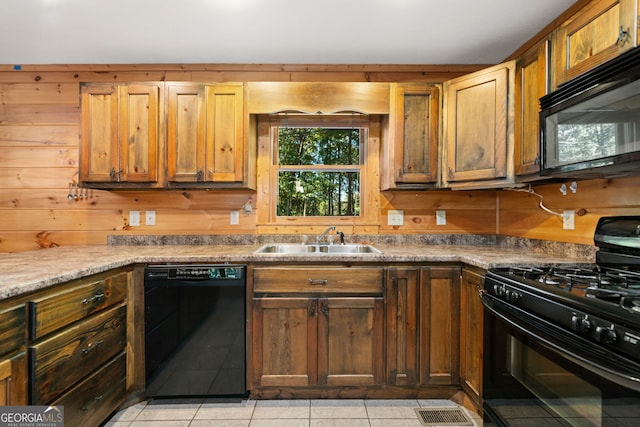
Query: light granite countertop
{"x": 34, "y": 270}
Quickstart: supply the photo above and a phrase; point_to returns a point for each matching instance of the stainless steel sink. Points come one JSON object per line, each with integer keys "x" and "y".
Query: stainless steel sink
{"x": 317, "y": 249}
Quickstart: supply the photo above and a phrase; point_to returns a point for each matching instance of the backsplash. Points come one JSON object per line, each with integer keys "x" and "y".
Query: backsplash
{"x": 547, "y": 247}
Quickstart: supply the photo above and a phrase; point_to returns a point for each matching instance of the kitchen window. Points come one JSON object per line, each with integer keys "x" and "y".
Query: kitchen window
{"x": 317, "y": 166}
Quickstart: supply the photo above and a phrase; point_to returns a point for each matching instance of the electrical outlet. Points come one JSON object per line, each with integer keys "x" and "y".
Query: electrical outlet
{"x": 569, "y": 220}
{"x": 134, "y": 218}
{"x": 441, "y": 217}
{"x": 395, "y": 217}
{"x": 150, "y": 218}
{"x": 234, "y": 217}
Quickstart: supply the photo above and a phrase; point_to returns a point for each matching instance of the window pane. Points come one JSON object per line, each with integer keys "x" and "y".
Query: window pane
{"x": 303, "y": 193}
{"x": 318, "y": 146}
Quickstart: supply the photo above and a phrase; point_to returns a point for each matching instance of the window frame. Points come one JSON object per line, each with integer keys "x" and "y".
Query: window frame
{"x": 268, "y": 153}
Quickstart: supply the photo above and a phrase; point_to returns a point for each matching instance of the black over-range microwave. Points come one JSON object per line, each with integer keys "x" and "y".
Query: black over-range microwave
{"x": 590, "y": 126}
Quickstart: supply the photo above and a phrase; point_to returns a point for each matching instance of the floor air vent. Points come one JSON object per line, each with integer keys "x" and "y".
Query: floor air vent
{"x": 443, "y": 417}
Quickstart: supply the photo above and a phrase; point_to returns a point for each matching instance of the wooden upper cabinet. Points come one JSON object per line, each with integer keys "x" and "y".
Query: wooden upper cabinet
{"x": 138, "y": 135}
{"x": 185, "y": 132}
{"x": 479, "y": 112}
{"x": 99, "y": 150}
{"x": 120, "y": 125}
{"x": 205, "y": 134}
{"x": 597, "y": 33}
{"x": 411, "y": 151}
{"x": 531, "y": 85}
{"x": 225, "y": 134}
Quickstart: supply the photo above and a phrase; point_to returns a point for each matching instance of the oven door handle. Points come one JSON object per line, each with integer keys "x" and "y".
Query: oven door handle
{"x": 611, "y": 366}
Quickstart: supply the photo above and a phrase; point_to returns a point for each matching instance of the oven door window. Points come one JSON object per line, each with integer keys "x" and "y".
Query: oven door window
{"x": 557, "y": 389}
{"x": 529, "y": 384}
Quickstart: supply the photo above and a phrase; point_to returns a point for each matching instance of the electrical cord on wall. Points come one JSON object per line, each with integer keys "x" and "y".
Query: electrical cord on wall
{"x": 542, "y": 206}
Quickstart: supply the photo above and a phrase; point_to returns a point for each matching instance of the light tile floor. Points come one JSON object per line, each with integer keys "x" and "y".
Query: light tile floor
{"x": 280, "y": 413}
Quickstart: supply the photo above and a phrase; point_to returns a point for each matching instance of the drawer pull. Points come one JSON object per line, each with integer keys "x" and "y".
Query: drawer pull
{"x": 320, "y": 282}
{"x": 96, "y": 297}
{"x": 90, "y": 404}
{"x": 92, "y": 346}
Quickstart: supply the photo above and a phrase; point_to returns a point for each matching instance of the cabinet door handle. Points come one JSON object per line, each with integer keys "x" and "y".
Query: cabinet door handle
{"x": 93, "y": 346}
{"x": 96, "y": 297}
{"x": 115, "y": 175}
{"x": 200, "y": 175}
{"x": 90, "y": 405}
{"x": 324, "y": 309}
{"x": 318, "y": 282}
{"x": 623, "y": 36}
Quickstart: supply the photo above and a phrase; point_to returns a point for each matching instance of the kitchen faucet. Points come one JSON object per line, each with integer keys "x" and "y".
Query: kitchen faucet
{"x": 324, "y": 233}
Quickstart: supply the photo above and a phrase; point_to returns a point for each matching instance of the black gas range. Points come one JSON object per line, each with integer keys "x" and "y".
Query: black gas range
{"x": 559, "y": 335}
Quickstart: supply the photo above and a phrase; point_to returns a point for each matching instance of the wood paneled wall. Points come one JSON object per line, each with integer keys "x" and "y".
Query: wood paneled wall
{"x": 39, "y": 142}
{"x": 521, "y": 216}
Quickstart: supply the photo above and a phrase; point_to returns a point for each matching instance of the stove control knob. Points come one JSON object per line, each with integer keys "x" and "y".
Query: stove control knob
{"x": 499, "y": 290}
{"x": 512, "y": 296}
{"x": 580, "y": 324}
{"x": 606, "y": 335}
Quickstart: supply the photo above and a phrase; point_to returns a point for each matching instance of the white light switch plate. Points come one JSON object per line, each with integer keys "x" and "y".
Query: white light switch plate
{"x": 150, "y": 218}
{"x": 395, "y": 217}
{"x": 134, "y": 218}
{"x": 441, "y": 217}
{"x": 234, "y": 217}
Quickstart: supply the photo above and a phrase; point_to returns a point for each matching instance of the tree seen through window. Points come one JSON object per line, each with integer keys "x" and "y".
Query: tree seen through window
{"x": 319, "y": 171}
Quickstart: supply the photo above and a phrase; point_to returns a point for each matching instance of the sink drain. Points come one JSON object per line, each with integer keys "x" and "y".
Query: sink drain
{"x": 443, "y": 417}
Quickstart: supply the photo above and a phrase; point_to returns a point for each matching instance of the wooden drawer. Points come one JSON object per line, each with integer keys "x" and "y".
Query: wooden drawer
{"x": 318, "y": 280}
{"x": 56, "y": 310}
{"x": 13, "y": 380}
{"x": 65, "y": 358}
{"x": 12, "y": 329}
{"x": 95, "y": 398}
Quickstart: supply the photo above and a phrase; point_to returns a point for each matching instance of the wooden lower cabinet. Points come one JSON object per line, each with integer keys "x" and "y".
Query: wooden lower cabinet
{"x": 333, "y": 341}
{"x": 422, "y": 325}
{"x": 403, "y": 307}
{"x": 350, "y": 346}
{"x": 67, "y": 357}
{"x": 92, "y": 400}
{"x": 77, "y": 352}
{"x": 13, "y": 380}
{"x": 471, "y": 330}
{"x": 439, "y": 325}
{"x": 13, "y": 360}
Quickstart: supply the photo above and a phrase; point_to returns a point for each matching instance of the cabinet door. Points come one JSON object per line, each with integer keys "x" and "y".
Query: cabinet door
{"x": 439, "y": 325}
{"x": 411, "y": 157}
{"x": 225, "y": 135}
{"x": 479, "y": 132}
{"x": 138, "y": 136}
{"x": 99, "y": 143}
{"x": 284, "y": 337}
{"x": 119, "y": 133}
{"x": 350, "y": 341}
{"x": 471, "y": 319}
{"x": 596, "y": 34}
{"x": 531, "y": 85}
{"x": 402, "y": 326}
{"x": 186, "y": 133}
{"x": 13, "y": 380}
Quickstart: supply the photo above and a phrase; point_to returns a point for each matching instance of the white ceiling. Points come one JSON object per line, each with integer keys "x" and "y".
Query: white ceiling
{"x": 269, "y": 31}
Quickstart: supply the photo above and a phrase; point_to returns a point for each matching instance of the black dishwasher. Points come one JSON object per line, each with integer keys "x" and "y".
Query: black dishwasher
{"x": 195, "y": 330}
